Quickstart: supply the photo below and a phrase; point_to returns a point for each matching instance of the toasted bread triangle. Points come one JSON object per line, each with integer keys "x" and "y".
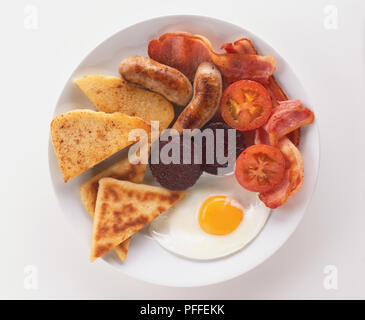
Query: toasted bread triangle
{"x": 122, "y": 170}
{"x": 83, "y": 138}
{"x": 123, "y": 208}
{"x": 114, "y": 94}
{"x": 122, "y": 249}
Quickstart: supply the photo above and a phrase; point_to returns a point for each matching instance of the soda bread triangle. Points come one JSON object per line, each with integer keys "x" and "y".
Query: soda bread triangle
{"x": 83, "y": 138}
{"x": 122, "y": 249}
{"x": 122, "y": 170}
{"x": 123, "y": 208}
{"x": 114, "y": 94}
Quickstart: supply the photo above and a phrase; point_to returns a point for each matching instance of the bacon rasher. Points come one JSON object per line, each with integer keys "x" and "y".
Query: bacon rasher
{"x": 294, "y": 173}
{"x": 261, "y": 136}
{"x": 288, "y": 116}
{"x": 245, "y": 46}
{"x": 185, "y": 51}
{"x": 293, "y": 179}
{"x": 242, "y": 45}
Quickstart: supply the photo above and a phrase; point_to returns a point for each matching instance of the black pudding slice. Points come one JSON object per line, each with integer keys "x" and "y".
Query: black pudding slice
{"x": 170, "y": 169}
{"x": 228, "y": 151}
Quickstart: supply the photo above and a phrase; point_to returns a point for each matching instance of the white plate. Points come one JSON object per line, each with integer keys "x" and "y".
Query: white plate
{"x": 146, "y": 259}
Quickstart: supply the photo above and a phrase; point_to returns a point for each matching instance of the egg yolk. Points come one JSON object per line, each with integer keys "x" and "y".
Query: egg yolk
{"x": 219, "y": 215}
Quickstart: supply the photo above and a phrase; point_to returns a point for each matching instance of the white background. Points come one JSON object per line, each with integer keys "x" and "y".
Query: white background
{"x": 35, "y": 65}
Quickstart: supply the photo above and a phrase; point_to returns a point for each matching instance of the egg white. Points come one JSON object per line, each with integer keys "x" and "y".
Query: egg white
{"x": 178, "y": 229}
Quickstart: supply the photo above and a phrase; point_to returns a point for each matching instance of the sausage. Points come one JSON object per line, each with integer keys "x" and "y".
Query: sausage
{"x": 205, "y": 102}
{"x": 157, "y": 77}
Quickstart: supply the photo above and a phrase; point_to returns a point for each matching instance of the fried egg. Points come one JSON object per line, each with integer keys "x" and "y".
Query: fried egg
{"x": 217, "y": 217}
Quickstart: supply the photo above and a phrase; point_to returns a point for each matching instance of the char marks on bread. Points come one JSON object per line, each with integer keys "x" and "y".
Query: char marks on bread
{"x": 122, "y": 170}
{"x": 123, "y": 208}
